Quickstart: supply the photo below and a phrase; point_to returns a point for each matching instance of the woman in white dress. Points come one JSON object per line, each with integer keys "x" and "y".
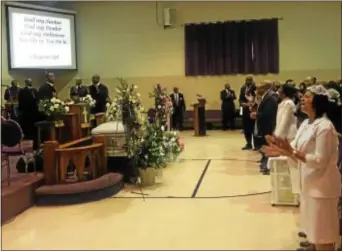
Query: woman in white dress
{"x": 286, "y": 126}
{"x": 315, "y": 151}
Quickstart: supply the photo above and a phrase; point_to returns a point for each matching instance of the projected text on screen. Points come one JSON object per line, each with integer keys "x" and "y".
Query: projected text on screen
{"x": 41, "y": 41}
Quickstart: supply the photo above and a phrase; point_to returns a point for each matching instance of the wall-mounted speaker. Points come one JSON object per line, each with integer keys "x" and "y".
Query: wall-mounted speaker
{"x": 169, "y": 17}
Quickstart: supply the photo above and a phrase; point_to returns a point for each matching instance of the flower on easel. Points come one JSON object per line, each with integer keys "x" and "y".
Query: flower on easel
{"x": 128, "y": 108}
{"x": 163, "y": 104}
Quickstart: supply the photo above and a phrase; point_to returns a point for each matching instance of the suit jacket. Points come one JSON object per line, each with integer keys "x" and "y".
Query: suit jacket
{"x": 181, "y": 101}
{"x": 244, "y": 91}
{"x": 320, "y": 177}
{"x": 227, "y": 100}
{"x": 11, "y": 94}
{"x": 286, "y": 123}
{"x": 80, "y": 91}
{"x": 28, "y": 101}
{"x": 267, "y": 114}
{"x": 46, "y": 91}
{"x": 100, "y": 94}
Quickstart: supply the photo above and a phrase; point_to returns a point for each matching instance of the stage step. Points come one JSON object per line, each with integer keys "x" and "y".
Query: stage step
{"x": 80, "y": 192}
{"x": 19, "y": 195}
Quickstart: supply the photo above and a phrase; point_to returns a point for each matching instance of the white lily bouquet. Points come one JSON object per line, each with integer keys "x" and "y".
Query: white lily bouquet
{"x": 113, "y": 112}
{"x": 88, "y": 101}
{"x": 54, "y": 109}
{"x": 172, "y": 145}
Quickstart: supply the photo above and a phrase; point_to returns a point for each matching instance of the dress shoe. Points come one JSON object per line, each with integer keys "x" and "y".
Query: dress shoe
{"x": 302, "y": 235}
{"x": 266, "y": 172}
{"x": 305, "y": 244}
{"x": 247, "y": 147}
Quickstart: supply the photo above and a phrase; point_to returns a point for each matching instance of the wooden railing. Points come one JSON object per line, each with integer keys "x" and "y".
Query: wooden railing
{"x": 74, "y": 162}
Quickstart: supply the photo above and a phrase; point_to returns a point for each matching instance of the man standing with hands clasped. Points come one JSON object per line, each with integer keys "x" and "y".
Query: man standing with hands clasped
{"x": 228, "y": 107}
{"x": 178, "y": 103}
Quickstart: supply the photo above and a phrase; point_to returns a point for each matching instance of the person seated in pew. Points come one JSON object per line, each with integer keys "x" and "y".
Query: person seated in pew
{"x": 78, "y": 90}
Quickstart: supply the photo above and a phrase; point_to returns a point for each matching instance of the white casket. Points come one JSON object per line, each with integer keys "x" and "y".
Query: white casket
{"x": 114, "y": 132}
{"x": 282, "y": 182}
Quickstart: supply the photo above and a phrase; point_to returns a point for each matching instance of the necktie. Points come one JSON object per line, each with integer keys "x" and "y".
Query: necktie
{"x": 32, "y": 93}
{"x": 79, "y": 91}
{"x": 176, "y": 98}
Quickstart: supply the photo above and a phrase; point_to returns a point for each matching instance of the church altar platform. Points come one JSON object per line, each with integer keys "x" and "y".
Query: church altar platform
{"x": 80, "y": 192}
{"x": 20, "y": 195}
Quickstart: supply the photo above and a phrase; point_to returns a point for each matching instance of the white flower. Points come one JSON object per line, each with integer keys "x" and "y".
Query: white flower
{"x": 135, "y": 86}
{"x": 53, "y": 100}
{"x": 67, "y": 109}
{"x": 162, "y": 128}
{"x": 52, "y": 108}
{"x": 56, "y": 105}
{"x": 159, "y": 106}
{"x": 138, "y": 94}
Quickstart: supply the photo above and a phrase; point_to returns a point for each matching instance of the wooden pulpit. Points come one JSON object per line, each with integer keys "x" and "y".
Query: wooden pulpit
{"x": 199, "y": 117}
{"x": 82, "y": 120}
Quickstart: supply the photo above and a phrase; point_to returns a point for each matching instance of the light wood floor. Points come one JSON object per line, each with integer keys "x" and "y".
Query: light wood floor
{"x": 229, "y": 210}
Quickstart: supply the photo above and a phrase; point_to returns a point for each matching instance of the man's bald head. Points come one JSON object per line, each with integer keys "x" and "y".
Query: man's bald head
{"x": 95, "y": 79}
{"x": 310, "y": 81}
{"x": 50, "y": 76}
{"x": 249, "y": 80}
{"x": 276, "y": 85}
{"x": 263, "y": 86}
{"x": 78, "y": 81}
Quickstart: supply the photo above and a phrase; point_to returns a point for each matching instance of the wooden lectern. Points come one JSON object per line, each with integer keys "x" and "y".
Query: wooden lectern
{"x": 82, "y": 121}
{"x": 199, "y": 118}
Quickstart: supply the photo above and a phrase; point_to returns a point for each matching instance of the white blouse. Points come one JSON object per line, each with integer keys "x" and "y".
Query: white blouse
{"x": 286, "y": 123}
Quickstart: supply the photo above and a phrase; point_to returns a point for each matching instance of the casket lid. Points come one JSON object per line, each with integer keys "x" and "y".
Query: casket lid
{"x": 112, "y": 127}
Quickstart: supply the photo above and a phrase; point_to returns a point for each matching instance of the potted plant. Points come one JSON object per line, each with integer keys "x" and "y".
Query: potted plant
{"x": 53, "y": 109}
{"x": 153, "y": 153}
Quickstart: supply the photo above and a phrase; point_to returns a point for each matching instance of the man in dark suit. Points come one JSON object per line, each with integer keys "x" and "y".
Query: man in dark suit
{"x": 246, "y": 100}
{"x": 12, "y": 92}
{"x": 47, "y": 90}
{"x": 228, "y": 107}
{"x": 28, "y": 109}
{"x": 78, "y": 91}
{"x": 11, "y": 98}
{"x": 98, "y": 92}
{"x": 178, "y": 103}
{"x": 265, "y": 116}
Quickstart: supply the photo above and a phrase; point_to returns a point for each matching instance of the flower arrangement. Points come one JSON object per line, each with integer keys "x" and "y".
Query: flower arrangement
{"x": 88, "y": 101}
{"x": 53, "y": 107}
{"x": 128, "y": 108}
{"x": 153, "y": 154}
{"x": 163, "y": 104}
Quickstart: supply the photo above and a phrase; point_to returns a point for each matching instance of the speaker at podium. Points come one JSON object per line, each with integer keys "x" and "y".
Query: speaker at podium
{"x": 199, "y": 116}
